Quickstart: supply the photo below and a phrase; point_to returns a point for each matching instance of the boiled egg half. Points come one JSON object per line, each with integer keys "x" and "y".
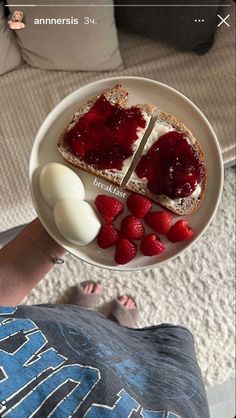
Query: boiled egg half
{"x": 76, "y": 221}
{"x": 56, "y": 182}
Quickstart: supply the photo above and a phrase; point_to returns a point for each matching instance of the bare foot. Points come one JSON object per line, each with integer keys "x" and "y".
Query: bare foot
{"x": 86, "y": 294}
{"x": 127, "y": 301}
{"x": 91, "y": 287}
{"x": 126, "y": 314}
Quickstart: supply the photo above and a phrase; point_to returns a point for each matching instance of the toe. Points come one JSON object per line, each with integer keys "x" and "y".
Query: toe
{"x": 90, "y": 288}
{"x": 85, "y": 288}
{"x": 132, "y": 304}
{"x": 123, "y": 299}
{"x": 129, "y": 303}
{"x": 97, "y": 288}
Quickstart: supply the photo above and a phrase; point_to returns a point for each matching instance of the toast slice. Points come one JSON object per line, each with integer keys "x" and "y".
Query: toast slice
{"x": 97, "y": 135}
{"x": 182, "y": 197}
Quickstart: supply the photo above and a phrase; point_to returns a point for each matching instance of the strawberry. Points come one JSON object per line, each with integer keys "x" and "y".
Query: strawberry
{"x": 152, "y": 245}
{"x": 107, "y": 236}
{"x": 159, "y": 221}
{"x": 132, "y": 228}
{"x": 138, "y": 205}
{"x": 126, "y": 250}
{"x": 109, "y": 207}
{"x": 180, "y": 231}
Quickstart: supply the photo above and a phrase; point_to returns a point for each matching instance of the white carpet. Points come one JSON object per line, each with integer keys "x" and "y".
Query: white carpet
{"x": 195, "y": 290}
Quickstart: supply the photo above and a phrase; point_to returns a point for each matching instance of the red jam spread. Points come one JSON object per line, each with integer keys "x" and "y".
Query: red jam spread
{"x": 171, "y": 166}
{"x": 105, "y": 135}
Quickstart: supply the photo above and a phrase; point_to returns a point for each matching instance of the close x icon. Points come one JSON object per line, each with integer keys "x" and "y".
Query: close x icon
{"x": 223, "y": 20}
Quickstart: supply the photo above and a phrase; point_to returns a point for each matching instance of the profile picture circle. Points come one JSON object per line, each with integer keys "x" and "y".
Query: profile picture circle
{"x": 16, "y": 20}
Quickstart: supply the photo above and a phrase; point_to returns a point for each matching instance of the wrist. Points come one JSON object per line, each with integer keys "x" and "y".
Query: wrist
{"x": 44, "y": 240}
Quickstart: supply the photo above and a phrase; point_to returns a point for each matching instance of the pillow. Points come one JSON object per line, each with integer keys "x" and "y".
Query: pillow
{"x": 69, "y": 38}
{"x": 175, "y": 25}
{"x": 10, "y": 56}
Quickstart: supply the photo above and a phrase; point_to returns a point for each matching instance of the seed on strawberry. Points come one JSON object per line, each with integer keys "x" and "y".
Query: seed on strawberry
{"x": 159, "y": 221}
{"x": 180, "y": 231}
{"x": 126, "y": 250}
{"x": 107, "y": 236}
{"x": 132, "y": 228}
{"x": 109, "y": 207}
{"x": 138, "y": 205}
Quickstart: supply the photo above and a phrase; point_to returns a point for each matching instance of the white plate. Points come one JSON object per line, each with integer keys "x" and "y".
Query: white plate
{"x": 141, "y": 90}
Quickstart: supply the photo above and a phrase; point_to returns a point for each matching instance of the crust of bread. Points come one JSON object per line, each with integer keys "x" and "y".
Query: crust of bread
{"x": 116, "y": 95}
{"x": 147, "y": 108}
{"x": 182, "y": 206}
